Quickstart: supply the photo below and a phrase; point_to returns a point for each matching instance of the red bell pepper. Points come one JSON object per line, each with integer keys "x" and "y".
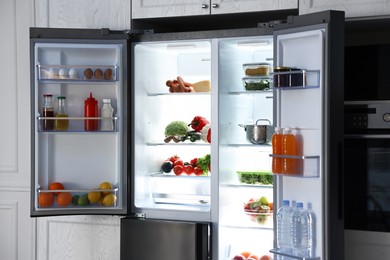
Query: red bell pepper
{"x": 198, "y": 123}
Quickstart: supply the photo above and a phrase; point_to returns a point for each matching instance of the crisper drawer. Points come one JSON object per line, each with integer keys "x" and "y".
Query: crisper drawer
{"x": 184, "y": 190}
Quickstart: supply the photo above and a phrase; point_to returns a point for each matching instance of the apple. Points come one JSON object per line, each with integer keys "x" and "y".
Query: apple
{"x": 239, "y": 257}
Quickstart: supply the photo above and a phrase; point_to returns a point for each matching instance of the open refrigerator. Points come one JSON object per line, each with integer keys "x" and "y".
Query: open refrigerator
{"x": 207, "y": 208}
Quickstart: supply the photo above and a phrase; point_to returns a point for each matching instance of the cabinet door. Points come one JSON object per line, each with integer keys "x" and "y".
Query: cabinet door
{"x": 169, "y": 8}
{"x": 352, "y": 8}
{"x": 242, "y": 6}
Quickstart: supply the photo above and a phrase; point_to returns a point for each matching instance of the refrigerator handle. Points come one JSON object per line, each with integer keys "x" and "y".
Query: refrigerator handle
{"x": 340, "y": 181}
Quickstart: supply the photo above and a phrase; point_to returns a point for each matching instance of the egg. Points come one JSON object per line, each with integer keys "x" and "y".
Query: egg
{"x": 73, "y": 74}
{"x": 63, "y": 73}
{"x": 53, "y": 73}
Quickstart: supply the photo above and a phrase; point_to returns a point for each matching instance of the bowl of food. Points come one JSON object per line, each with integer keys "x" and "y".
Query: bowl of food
{"x": 257, "y": 69}
{"x": 255, "y": 177}
{"x": 256, "y": 83}
{"x": 259, "y": 211}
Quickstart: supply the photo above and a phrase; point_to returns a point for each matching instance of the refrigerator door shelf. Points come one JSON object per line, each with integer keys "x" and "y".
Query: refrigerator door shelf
{"x": 77, "y": 73}
{"x": 310, "y": 165}
{"x": 76, "y": 124}
{"x": 79, "y": 203}
{"x": 298, "y": 79}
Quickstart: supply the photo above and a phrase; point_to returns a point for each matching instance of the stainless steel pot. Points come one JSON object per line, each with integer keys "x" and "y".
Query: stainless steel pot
{"x": 257, "y": 134}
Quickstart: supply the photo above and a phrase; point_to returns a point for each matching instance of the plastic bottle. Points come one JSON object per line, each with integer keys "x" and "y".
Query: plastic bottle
{"x": 91, "y": 110}
{"x": 289, "y": 148}
{"x": 48, "y": 111}
{"x": 283, "y": 220}
{"x": 61, "y": 124}
{"x": 301, "y": 230}
{"x": 106, "y": 112}
{"x": 277, "y": 149}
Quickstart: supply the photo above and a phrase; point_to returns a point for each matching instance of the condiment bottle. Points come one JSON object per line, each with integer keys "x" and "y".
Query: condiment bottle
{"x": 61, "y": 124}
{"x": 106, "y": 112}
{"x": 90, "y": 110}
{"x": 277, "y": 149}
{"x": 289, "y": 149}
{"x": 48, "y": 111}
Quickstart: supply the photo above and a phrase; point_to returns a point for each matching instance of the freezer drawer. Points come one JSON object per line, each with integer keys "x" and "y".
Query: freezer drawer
{"x": 164, "y": 240}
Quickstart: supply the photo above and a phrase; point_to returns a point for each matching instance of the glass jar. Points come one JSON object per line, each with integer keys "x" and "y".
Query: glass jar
{"x": 61, "y": 124}
{"x": 48, "y": 111}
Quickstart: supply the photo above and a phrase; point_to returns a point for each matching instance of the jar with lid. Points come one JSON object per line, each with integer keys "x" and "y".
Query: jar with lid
{"x": 60, "y": 123}
{"x": 106, "y": 113}
{"x": 48, "y": 111}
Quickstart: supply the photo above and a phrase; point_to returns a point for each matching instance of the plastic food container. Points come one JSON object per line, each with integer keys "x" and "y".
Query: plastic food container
{"x": 257, "y": 69}
{"x": 289, "y": 77}
{"x": 256, "y": 83}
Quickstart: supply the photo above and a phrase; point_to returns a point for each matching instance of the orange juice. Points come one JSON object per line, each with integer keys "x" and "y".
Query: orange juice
{"x": 289, "y": 148}
{"x": 277, "y": 149}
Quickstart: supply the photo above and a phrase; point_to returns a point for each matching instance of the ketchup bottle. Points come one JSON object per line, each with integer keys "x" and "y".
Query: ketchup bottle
{"x": 91, "y": 110}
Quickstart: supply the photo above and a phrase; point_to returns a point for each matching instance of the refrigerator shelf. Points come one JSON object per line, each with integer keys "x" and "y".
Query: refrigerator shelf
{"x": 309, "y": 165}
{"x": 252, "y": 92}
{"x": 172, "y": 175}
{"x": 79, "y": 192}
{"x": 77, "y": 73}
{"x": 197, "y": 143}
{"x": 182, "y": 199}
{"x": 299, "y": 79}
{"x": 155, "y": 94}
{"x": 76, "y": 124}
{"x": 277, "y": 252}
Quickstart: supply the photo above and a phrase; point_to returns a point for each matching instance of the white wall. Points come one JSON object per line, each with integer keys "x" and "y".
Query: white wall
{"x": 54, "y": 238}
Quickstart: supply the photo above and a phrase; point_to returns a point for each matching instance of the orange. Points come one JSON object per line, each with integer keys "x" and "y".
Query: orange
{"x": 64, "y": 199}
{"x": 56, "y": 186}
{"x": 45, "y": 199}
{"x": 253, "y": 256}
{"x": 271, "y": 205}
{"x": 246, "y": 254}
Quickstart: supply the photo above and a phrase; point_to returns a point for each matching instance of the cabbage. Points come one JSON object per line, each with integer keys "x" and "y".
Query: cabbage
{"x": 176, "y": 128}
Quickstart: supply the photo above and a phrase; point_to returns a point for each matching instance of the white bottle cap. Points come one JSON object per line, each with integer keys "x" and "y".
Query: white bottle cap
{"x": 106, "y": 100}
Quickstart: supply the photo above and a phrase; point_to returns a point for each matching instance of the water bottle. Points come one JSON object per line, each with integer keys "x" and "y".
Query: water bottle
{"x": 283, "y": 222}
{"x": 301, "y": 230}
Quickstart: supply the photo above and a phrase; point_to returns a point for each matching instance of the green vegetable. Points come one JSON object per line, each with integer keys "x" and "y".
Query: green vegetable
{"x": 176, "y": 128}
{"x": 204, "y": 162}
{"x": 264, "y": 178}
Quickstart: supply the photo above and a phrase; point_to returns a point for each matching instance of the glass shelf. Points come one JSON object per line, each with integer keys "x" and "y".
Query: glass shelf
{"x": 155, "y": 94}
{"x": 277, "y": 252}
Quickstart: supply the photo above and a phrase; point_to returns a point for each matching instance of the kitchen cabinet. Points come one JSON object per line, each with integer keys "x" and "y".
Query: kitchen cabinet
{"x": 166, "y": 8}
{"x": 354, "y": 8}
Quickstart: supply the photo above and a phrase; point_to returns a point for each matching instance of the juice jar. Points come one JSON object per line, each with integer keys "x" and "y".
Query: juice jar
{"x": 277, "y": 149}
{"x": 290, "y": 149}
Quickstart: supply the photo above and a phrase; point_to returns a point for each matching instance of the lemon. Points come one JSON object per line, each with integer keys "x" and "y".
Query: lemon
{"x": 94, "y": 196}
{"x": 105, "y": 186}
{"x": 109, "y": 200}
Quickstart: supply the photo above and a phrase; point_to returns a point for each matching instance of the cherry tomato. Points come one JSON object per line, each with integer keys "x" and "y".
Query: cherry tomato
{"x": 178, "y": 169}
{"x": 178, "y": 162}
{"x": 198, "y": 171}
{"x": 189, "y": 169}
{"x": 174, "y": 158}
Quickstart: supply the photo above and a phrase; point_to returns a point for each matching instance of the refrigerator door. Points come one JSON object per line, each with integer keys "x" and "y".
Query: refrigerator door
{"x": 309, "y": 99}
{"x": 81, "y": 167}
{"x": 164, "y": 240}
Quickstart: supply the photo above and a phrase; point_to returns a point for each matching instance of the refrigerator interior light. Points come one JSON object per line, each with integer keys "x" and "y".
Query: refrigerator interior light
{"x": 180, "y": 46}
{"x": 253, "y": 43}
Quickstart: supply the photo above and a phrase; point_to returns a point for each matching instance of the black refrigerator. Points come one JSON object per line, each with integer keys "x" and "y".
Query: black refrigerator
{"x": 141, "y": 167}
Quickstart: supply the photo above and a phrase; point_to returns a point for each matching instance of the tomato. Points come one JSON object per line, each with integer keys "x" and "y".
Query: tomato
{"x": 194, "y": 161}
{"x": 174, "y": 158}
{"x": 189, "y": 169}
{"x": 178, "y": 169}
{"x": 178, "y": 162}
{"x": 198, "y": 171}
